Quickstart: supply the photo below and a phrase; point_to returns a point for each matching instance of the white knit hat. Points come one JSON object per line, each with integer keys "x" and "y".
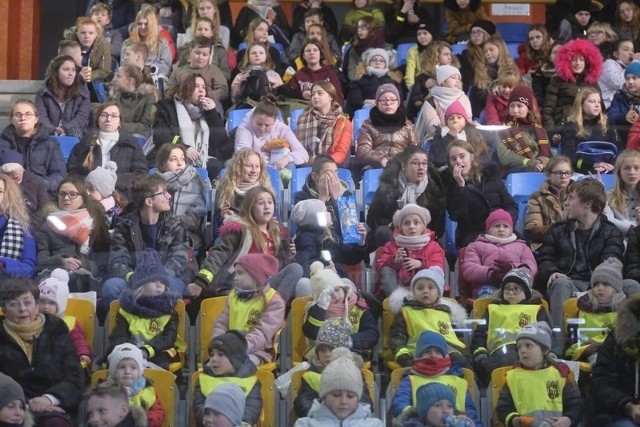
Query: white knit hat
{"x": 411, "y": 209}
{"x": 306, "y": 212}
{"x": 433, "y": 273}
{"x": 104, "y": 178}
{"x": 124, "y": 351}
{"x": 444, "y": 72}
{"x": 56, "y": 288}
{"x": 322, "y": 278}
{"x": 341, "y": 374}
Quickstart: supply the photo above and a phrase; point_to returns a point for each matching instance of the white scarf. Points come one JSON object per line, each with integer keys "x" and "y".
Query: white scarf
{"x": 107, "y": 140}
{"x": 196, "y": 136}
{"x": 410, "y": 190}
{"x": 500, "y": 240}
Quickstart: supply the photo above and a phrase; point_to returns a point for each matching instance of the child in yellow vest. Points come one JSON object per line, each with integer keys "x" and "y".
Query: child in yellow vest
{"x": 538, "y": 388}
{"x": 148, "y": 318}
{"x": 225, "y": 406}
{"x": 228, "y": 363}
{"x": 514, "y": 306}
{"x": 254, "y": 307}
{"x": 54, "y": 293}
{"x": 597, "y": 311}
{"x": 126, "y": 368}
{"x": 436, "y": 408}
{"x": 425, "y": 309}
{"x": 432, "y": 364}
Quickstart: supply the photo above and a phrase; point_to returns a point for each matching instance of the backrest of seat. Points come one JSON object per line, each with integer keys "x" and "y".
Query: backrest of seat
{"x": 295, "y": 115}
{"x": 85, "y": 313}
{"x": 296, "y": 319}
{"x": 358, "y": 119}
{"x": 498, "y": 380}
{"x": 210, "y": 309}
{"x": 402, "y": 53}
{"x": 235, "y": 117}
{"x": 269, "y": 401}
{"x": 370, "y": 184}
{"x": 520, "y": 186}
{"x": 66, "y": 145}
{"x": 387, "y": 319}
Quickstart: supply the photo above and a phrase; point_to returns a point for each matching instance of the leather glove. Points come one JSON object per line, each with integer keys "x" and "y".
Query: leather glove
{"x": 495, "y": 276}
{"x": 405, "y": 360}
{"x": 502, "y": 265}
{"x": 324, "y": 299}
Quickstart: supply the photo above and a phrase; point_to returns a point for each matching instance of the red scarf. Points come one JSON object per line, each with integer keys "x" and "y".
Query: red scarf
{"x": 515, "y": 141}
{"x": 431, "y": 366}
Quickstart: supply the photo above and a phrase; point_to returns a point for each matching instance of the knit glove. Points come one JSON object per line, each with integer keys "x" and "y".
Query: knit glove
{"x": 405, "y": 360}
{"x": 502, "y": 265}
{"x": 324, "y": 299}
{"x": 478, "y": 358}
{"x": 495, "y": 276}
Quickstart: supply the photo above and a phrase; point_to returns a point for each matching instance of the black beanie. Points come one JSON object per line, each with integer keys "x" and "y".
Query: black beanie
{"x": 488, "y": 26}
{"x": 233, "y": 345}
{"x": 149, "y": 268}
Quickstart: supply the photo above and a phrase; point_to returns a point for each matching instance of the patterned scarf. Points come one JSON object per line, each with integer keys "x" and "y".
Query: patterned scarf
{"x": 410, "y": 191}
{"x": 316, "y": 132}
{"x": 516, "y": 138}
{"x": 12, "y": 240}
{"x": 25, "y": 335}
{"x": 194, "y": 130}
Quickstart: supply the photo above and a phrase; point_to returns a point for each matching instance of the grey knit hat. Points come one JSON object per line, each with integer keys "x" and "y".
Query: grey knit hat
{"x": 539, "y": 332}
{"x": 444, "y": 72}
{"x": 387, "y": 88}
{"x": 609, "y": 272}
{"x": 335, "y": 332}
{"x": 408, "y": 209}
{"x": 229, "y": 400}
{"x": 520, "y": 276}
{"x": 433, "y": 273}
{"x": 10, "y": 390}
{"x": 378, "y": 52}
{"x": 306, "y": 212}
{"x": 103, "y": 178}
{"x": 341, "y": 374}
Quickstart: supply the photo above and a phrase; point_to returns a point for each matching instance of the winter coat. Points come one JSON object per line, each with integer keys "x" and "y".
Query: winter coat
{"x": 266, "y": 324}
{"x": 54, "y": 369}
{"x": 510, "y": 159}
{"x": 321, "y": 416}
{"x": 246, "y": 137}
{"x": 481, "y": 254}
{"x": 99, "y": 57}
{"x": 471, "y": 205}
{"x": 365, "y": 86}
{"x": 524, "y": 62}
{"x": 403, "y": 31}
{"x": 340, "y": 148}
{"x": 247, "y": 14}
{"x": 171, "y": 244}
{"x": 356, "y": 55}
{"x": 309, "y": 191}
{"x": 75, "y": 117}
{"x": 216, "y": 82}
{"x": 328, "y": 17}
{"x": 25, "y": 265}
{"x": 459, "y": 20}
{"x": 253, "y": 403}
{"x": 137, "y": 110}
{"x": 123, "y": 12}
{"x": 430, "y": 255}
{"x": 544, "y": 208}
{"x": 617, "y": 112}
{"x": 160, "y": 60}
{"x": 419, "y": 92}
{"x": 126, "y": 153}
{"x": 218, "y": 57}
{"x": 558, "y": 251}
{"x": 43, "y": 156}
{"x": 571, "y": 29}
{"x": 274, "y": 54}
{"x": 633, "y": 140}
{"x": 385, "y": 200}
{"x": 295, "y": 49}
{"x": 632, "y": 255}
{"x": 558, "y": 103}
{"x": 624, "y": 220}
{"x": 374, "y": 143}
{"x": 611, "y": 80}
{"x": 304, "y": 78}
{"x": 80, "y": 343}
{"x": 413, "y": 68}
{"x": 540, "y": 79}
{"x": 496, "y": 111}
{"x": 570, "y": 141}
{"x": 431, "y": 114}
{"x": 35, "y": 195}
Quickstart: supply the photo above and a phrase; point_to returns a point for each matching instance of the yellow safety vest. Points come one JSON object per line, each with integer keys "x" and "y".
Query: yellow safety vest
{"x": 355, "y": 314}
{"x": 146, "y": 329}
{"x": 209, "y": 383}
{"x": 506, "y": 320}
{"x": 537, "y": 393}
{"x": 245, "y": 314}
{"x": 456, "y": 384}
{"x": 604, "y": 321}
{"x": 144, "y": 399}
{"x": 70, "y": 321}
{"x": 313, "y": 379}
{"x": 429, "y": 319}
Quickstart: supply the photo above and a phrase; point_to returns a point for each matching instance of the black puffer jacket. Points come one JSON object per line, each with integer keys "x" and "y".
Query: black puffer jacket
{"x": 385, "y": 201}
{"x": 54, "y": 369}
{"x": 558, "y": 251}
{"x": 570, "y": 141}
{"x": 632, "y": 255}
{"x": 471, "y": 205}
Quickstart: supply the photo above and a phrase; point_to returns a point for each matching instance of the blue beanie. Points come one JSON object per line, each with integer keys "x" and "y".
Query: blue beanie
{"x": 11, "y": 156}
{"x": 430, "y": 339}
{"x": 633, "y": 68}
{"x": 430, "y": 394}
{"x": 149, "y": 268}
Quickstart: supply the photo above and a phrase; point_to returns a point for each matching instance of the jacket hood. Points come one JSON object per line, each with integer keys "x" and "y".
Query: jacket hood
{"x": 591, "y": 55}
{"x": 140, "y": 92}
{"x": 453, "y": 5}
{"x": 628, "y": 321}
{"x": 9, "y": 134}
{"x": 394, "y": 75}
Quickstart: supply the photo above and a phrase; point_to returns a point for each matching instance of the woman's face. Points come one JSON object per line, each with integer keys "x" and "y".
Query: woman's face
{"x": 444, "y": 57}
{"x": 199, "y": 91}
{"x": 591, "y": 106}
{"x": 262, "y": 124}
{"x": 261, "y": 33}
{"x": 21, "y": 310}
{"x": 203, "y": 29}
{"x": 596, "y": 36}
{"x": 67, "y": 73}
{"x": 362, "y": 29}
{"x": 311, "y": 54}
{"x": 257, "y": 55}
{"x": 176, "y": 161}
{"x": 206, "y": 9}
{"x": 69, "y": 198}
{"x": 625, "y": 52}
{"x": 560, "y": 176}
{"x": 388, "y": 103}
{"x": 320, "y": 98}
{"x": 109, "y": 119}
{"x": 491, "y": 53}
{"x": 359, "y": 4}
{"x": 518, "y": 109}
{"x": 577, "y": 64}
{"x": 87, "y": 35}
{"x": 458, "y": 156}
{"x": 251, "y": 169}
{"x": 122, "y": 81}
{"x": 625, "y": 11}
{"x": 143, "y": 27}
{"x": 535, "y": 39}
{"x": 24, "y": 119}
{"x": 424, "y": 37}
{"x": 416, "y": 168}
{"x": 477, "y": 36}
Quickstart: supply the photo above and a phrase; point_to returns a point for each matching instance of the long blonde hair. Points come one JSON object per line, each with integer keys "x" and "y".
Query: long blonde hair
{"x": 215, "y": 22}
{"x": 481, "y": 78}
{"x": 13, "y": 205}
{"x": 577, "y": 115}
{"x": 153, "y": 38}
{"x": 429, "y": 57}
{"x": 229, "y": 182}
{"x": 618, "y": 194}
{"x": 273, "y": 228}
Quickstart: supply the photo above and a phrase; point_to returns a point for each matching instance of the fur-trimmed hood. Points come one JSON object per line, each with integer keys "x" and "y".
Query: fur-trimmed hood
{"x": 403, "y": 296}
{"x": 453, "y": 5}
{"x": 361, "y": 70}
{"x": 140, "y": 92}
{"x": 628, "y": 321}
{"x": 592, "y": 57}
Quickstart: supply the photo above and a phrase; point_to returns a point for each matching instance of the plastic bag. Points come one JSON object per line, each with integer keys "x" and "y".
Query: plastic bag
{"x": 348, "y": 214}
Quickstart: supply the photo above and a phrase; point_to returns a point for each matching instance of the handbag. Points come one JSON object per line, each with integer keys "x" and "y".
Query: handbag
{"x": 597, "y": 151}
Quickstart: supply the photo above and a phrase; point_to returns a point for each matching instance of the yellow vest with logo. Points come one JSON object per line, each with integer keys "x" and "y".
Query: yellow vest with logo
{"x": 144, "y": 399}
{"x": 420, "y": 320}
{"x": 600, "y": 325}
{"x": 313, "y": 379}
{"x": 355, "y": 314}
{"x": 209, "y": 383}
{"x": 506, "y": 320}
{"x": 245, "y": 314}
{"x": 537, "y": 393}
{"x": 456, "y": 384}
{"x": 146, "y": 329}
{"x": 70, "y": 321}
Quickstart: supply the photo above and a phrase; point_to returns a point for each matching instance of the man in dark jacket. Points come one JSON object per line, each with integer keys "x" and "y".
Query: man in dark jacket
{"x": 147, "y": 224}
{"x": 576, "y": 246}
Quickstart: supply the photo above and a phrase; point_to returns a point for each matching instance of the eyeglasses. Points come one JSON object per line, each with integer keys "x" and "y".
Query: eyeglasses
{"x": 164, "y": 193}
{"x": 23, "y": 115}
{"x": 17, "y": 304}
{"x": 107, "y": 116}
{"x": 477, "y": 32}
{"x": 71, "y": 194}
{"x": 378, "y": 60}
{"x": 515, "y": 291}
{"x": 362, "y": 27}
{"x": 562, "y": 174}
{"x": 417, "y": 164}
{"x": 595, "y": 32}
{"x": 387, "y": 101}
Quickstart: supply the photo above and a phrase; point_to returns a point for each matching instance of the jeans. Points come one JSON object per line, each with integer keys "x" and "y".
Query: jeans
{"x": 114, "y": 287}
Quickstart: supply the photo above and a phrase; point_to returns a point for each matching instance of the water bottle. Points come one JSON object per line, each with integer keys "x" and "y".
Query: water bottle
{"x": 453, "y": 421}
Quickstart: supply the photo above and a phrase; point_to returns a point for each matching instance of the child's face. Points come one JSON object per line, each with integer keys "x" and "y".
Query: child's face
{"x": 535, "y": 39}
{"x": 625, "y": 11}
{"x": 206, "y": 9}
{"x": 67, "y": 73}
{"x": 378, "y": 62}
{"x": 632, "y": 83}
{"x": 122, "y": 81}
{"x": 153, "y": 288}
{"x": 512, "y": 293}
{"x": 505, "y": 91}
{"x": 491, "y": 53}
{"x": 603, "y": 292}
{"x": 261, "y": 33}
{"x": 530, "y": 353}
{"x": 127, "y": 372}
{"x": 87, "y": 34}
{"x": 424, "y": 37}
{"x": 310, "y": 20}
{"x": 416, "y": 168}
{"x": 93, "y": 192}
{"x": 577, "y": 64}
{"x": 342, "y": 403}
{"x": 596, "y": 36}
{"x": 199, "y": 57}
{"x": 460, "y": 157}
{"x": 213, "y": 418}
{"x": 251, "y": 169}
{"x": 324, "y": 354}
{"x": 426, "y": 292}
{"x": 432, "y": 353}
{"x": 106, "y": 411}
{"x": 359, "y": 4}
{"x": 135, "y": 59}
{"x": 220, "y": 363}
{"x": 554, "y": 53}
{"x": 583, "y": 17}
{"x": 13, "y": 413}
{"x": 203, "y": 29}
{"x": 257, "y": 55}
{"x": 624, "y": 53}
{"x": 477, "y": 35}
{"x": 560, "y": 176}
{"x": 47, "y": 306}
{"x": 362, "y": 29}
{"x": 591, "y": 106}
{"x": 74, "y": 52}
{"x": 314, "y": 33}
{"x": 338, "y": 295}
{"x": 630, "y": 171}
{"x": 462, "y": 3}
{"x": 499, "y": 229}
{"x": 518, "y": 109}
{"x": 243, "y": 280}
{"x": 437, "y": 412}
{"x": 262, "y": 210}
{"x": 412, "y": 225}
{"x": 445, "y": 57}
{"x": 101, "y": 17}
{"x": 456, "y": 122}
{"x": 176, "y": 161}
{"x": 453, "y": 82}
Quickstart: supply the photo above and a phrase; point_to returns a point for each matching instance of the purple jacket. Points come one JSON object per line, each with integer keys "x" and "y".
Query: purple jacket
{"x": 75, "y": 117}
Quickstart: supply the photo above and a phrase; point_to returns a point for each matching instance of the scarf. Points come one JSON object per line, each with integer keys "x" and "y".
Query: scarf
{"x": 175, "y": 181}
{"x": 431, "y": 366}
{"x": 377, "y": 72}
{"x": 12, "y": 240}
{"x": 388, "y": 123}
{"x": 410, "y": 190}
{"x": 515, "y": 138}
{"x": 24, "y": 335}
{"x": 107, "y": 140}
{"x": 373, "y": 41}
{"x": 500, "y": 240}
{"x": 194, "y": 130}
{"x": 340, "y": 309}
{"x": 263, "y": 7}
{"x": 316, "y": 132}
{"x": 444, "y": 96}
{"x": 634, "y": 99}
{"x": 412, "y": 242}
{"x": 74, "y": 225}
{"x": 149, "y": 307}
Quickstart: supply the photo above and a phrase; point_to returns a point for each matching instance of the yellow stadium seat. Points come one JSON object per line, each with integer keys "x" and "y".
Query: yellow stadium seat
{"x": 85, "y": 313}
{"x": 165, "y": 385}
{"x": 498, "y": 380}
{"x": 296, "y": 318}
{"x": 388, "y": 315}
{"x": 571, "y": 311}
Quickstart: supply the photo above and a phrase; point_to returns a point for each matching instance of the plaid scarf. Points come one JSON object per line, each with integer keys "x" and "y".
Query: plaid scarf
{"x": 316, "y": 132}
{"x": 12, "y": 240}
{"x": 518, "y": 138}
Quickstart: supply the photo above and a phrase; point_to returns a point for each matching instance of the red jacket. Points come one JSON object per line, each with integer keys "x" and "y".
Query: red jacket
{"x": 633, "y": 139}
{"x": 155, "y": 414}
{"x": 524, "y": 63}
{"x": 79, "y": 341}
{"x": 496, "y": 111}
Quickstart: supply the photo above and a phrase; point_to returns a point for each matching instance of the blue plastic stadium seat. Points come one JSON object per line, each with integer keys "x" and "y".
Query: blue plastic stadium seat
{"x": 278, "y": 188}
{"x": 515, "y": 32}
{"x": 450, "y": 228}
{"x": 458, "y": 48}
{"x": 235, "y": 117}
{"x": 358, "y": 118}
{"x": 513, "y": 50}
{"x": 370, "y": 183}
{"x": 66, "y": 145}
{"x": 401, "y": 53}
{"x": 521, "y": 185}
{"x": 295, "y": 115}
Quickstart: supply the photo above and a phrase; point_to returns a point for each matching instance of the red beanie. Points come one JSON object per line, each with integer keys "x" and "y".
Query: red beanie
{"x": 261, "y": 267}
{"x": 523, "y": 94}
{"x": 498, "y": 216}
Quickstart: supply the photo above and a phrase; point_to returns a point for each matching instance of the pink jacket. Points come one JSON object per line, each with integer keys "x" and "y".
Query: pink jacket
{"x": 481, "y": 254}
{"x": 431, "y": 254}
